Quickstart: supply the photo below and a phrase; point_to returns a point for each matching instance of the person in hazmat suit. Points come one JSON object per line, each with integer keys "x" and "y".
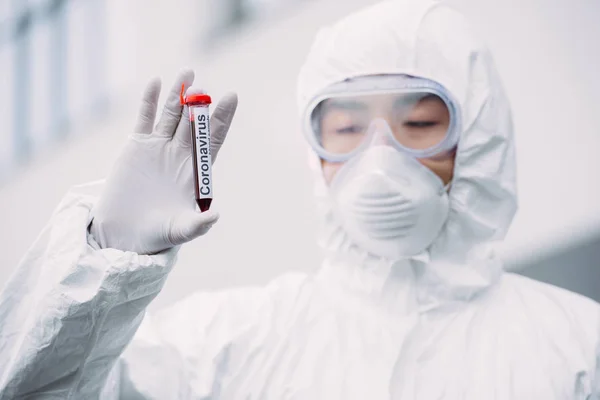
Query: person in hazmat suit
{"x": 414, "y": 162}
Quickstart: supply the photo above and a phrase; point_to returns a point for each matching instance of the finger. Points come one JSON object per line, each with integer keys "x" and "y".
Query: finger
{"x": 190, "y": 225}
{"x": 182, "y": 133}
{"x": 147, "y": 113}
{"x": 172, "y": 110}
{"x": 220, "y": 121}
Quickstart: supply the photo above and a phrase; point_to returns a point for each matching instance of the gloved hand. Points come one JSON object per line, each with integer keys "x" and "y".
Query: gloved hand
{"x": 148, "y": 200}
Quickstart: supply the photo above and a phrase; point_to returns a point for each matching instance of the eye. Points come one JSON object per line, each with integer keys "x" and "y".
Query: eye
{"x": 350, "y": 129}
{"x": 420, "y": 124}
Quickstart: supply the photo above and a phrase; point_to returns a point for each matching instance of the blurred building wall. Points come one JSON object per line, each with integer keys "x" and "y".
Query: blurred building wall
{"x": 263, "y": 187}
{"x": 576, "y": 268}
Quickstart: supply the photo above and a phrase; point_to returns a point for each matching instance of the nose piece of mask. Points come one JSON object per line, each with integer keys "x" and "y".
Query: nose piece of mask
{"x": 388, "y": 203}
{"x": 379, "y": 133}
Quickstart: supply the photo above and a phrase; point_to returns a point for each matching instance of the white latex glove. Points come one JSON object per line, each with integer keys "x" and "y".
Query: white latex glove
{"x": 148, "y": 201}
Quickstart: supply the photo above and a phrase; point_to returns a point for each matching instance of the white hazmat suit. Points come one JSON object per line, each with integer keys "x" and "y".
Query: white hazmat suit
{"x": 446, "y": 324}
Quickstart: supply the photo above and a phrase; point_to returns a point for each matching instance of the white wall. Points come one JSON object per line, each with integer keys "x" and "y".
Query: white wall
{"x": 263, "y": 189}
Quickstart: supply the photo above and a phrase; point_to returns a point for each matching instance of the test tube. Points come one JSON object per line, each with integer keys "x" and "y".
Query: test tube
{"x": 200, "y": 137}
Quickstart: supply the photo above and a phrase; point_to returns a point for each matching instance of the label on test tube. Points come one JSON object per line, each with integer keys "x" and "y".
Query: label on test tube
{"x": 199, "y": 118}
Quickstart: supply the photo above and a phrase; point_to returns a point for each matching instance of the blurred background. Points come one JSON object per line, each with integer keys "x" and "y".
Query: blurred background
{"x": 72, "y": 72}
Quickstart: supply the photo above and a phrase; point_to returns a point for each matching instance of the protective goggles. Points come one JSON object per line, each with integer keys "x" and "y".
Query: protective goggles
{"x": 418, "y": 116}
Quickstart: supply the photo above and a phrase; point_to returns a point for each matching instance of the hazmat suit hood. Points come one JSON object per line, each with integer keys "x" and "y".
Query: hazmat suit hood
{"x": 430, "y": 40}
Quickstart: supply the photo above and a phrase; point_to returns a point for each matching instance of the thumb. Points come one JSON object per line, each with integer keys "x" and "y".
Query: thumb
{"x": 189, "y": 225}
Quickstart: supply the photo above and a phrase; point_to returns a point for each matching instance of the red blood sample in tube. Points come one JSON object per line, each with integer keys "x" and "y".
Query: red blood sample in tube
{"x": 204, "y": 204}
{"x": 200, "y": 138}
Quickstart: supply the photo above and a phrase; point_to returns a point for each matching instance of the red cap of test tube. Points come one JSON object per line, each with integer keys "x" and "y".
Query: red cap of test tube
{"x": 195, "y": 98}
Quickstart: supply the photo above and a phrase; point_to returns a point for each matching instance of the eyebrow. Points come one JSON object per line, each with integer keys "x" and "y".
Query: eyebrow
{"x": 345, "y": 105}
{"x": 414, "y": 101}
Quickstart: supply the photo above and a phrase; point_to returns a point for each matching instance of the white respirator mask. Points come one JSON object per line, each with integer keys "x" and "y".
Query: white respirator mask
{"x": 388, "y": 203}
